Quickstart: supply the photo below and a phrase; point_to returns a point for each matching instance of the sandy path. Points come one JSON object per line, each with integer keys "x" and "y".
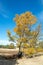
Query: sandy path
{"x": 32, "y": 61}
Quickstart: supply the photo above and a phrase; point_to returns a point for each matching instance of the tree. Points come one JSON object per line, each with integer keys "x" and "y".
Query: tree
{"x": 24, "y": 33}
{"x": 11, "y": 46}
{"x": 24, "y": 22}
{"x": 36, "y": 35}
{"x": 11, "y": 38}
{"x": 41, "y": 44}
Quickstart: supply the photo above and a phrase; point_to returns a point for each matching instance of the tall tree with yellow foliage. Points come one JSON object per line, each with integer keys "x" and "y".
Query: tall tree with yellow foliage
{"x": 24, "y": 22}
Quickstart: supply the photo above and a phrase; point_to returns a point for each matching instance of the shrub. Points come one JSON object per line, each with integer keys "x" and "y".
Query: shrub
{"x": 29, "y": 51}
{"x": 11, "y": 46}
{"x": 39, "y": 49}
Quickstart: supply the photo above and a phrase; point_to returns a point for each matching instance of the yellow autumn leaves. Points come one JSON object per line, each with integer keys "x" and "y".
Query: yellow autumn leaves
{"x": 23, "y": 20}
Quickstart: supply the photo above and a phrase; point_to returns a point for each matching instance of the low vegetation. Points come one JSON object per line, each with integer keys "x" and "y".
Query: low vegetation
{"x": 10, "y": 46}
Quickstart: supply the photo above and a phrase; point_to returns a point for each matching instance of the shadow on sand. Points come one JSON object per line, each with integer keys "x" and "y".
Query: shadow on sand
{"x": 8, "y": 61}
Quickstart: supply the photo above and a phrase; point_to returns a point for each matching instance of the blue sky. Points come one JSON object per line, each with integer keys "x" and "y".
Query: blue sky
{"x": 8, "y": 9}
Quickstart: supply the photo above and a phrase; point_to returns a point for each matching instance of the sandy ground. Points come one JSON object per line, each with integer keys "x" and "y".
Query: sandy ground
{"x": 8, "y": 52}
{"x": 31, "y": 61}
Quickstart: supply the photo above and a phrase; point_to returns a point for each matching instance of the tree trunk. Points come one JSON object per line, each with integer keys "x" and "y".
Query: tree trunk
{"x": 20, "y": 47}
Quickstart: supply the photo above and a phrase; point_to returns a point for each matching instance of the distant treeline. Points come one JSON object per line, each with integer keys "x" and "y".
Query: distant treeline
{"x": 10, "y": 46}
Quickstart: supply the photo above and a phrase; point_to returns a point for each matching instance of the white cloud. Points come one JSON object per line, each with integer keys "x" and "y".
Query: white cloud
{"x": 5, "y": 42}
{"x": 3, "y": 12}
{"x": 4, "y": 15}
